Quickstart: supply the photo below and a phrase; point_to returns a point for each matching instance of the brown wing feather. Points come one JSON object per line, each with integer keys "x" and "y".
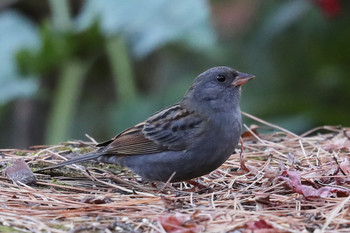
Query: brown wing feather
{"x": 132, "y": 142}
{"x": 174, "y": 128}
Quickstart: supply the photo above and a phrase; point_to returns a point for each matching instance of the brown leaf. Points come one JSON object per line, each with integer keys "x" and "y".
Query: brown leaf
{"x": 246, "y": 167}
{"x": 96, "y": 200}
{"x": 271, "y": 172}
{"x": 249, "y": 134}
{"x": 19, "y": 171}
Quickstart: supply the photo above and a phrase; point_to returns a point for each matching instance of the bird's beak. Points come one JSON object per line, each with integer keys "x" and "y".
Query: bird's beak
{"x": 242, "y": 78}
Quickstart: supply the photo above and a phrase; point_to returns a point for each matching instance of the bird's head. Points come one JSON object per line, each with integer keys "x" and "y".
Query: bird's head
{"x": 218, "y": 89}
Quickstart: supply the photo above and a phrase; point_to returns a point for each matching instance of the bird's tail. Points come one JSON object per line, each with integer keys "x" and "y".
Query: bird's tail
{"x": 78, "y": 159}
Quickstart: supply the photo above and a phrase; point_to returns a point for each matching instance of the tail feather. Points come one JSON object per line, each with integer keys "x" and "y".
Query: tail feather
{"x": 78, "y": 159}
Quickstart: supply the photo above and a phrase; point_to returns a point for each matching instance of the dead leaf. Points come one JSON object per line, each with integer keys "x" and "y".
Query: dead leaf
{"x": 293, "y": 160}
{"x": 179, "y": 223}
{"x": 345, "y": 166}
{"x": 260, "y": 226}
{"x": 250, "y": 134}
{"x": 19, "y": 171}
{"x": 337, "y": 143}
{"x": 246, "y": 167}
{"x": 294, "y": 182}
{"x": 96, "y": 200}
{"x": 271, "y": 172}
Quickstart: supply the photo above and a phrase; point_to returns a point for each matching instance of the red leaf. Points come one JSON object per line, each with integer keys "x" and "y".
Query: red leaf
{"x": 260, "y": 226}
{"x": 330, "y": 7}
{"x": 178, "y": 223}
{"x": 294, "y": 182}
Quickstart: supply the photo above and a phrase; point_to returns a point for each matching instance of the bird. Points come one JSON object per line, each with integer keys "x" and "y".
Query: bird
{"x": 186, "y": 140}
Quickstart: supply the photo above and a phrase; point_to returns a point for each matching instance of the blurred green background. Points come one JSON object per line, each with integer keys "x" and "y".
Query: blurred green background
{"x": 70, "y": 68}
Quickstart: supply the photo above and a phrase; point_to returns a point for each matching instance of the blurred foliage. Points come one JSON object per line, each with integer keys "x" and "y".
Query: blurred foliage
{"x": 97, "y": 67}
{"x": 149, "y": 24}
{"x": 16, "y": 33}
{"x": 307, "y": 65}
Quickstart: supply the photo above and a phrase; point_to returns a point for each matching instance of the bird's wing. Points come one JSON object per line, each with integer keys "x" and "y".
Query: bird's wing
{"x": 171, "y": 129}
{"x": 175, "y": 127}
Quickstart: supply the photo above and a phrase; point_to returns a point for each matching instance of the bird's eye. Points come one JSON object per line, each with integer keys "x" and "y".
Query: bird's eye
{"x": 221, "y": 78}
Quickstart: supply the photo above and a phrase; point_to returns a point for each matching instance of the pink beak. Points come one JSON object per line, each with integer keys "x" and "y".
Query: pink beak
{"x": 242, "y": 78}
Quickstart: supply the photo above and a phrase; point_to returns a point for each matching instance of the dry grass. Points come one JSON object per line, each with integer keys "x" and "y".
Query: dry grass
{"x": 107, "y": 198}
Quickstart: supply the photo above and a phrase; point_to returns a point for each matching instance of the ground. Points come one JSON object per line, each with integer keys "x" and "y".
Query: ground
{"x": 281, "y": 182}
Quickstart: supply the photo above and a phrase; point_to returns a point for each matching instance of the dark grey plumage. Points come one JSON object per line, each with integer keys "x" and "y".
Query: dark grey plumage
{"x": 190, "y": 139}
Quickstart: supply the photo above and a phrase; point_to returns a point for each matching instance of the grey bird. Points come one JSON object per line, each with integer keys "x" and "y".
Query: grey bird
{"x": 186, "y": 140}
